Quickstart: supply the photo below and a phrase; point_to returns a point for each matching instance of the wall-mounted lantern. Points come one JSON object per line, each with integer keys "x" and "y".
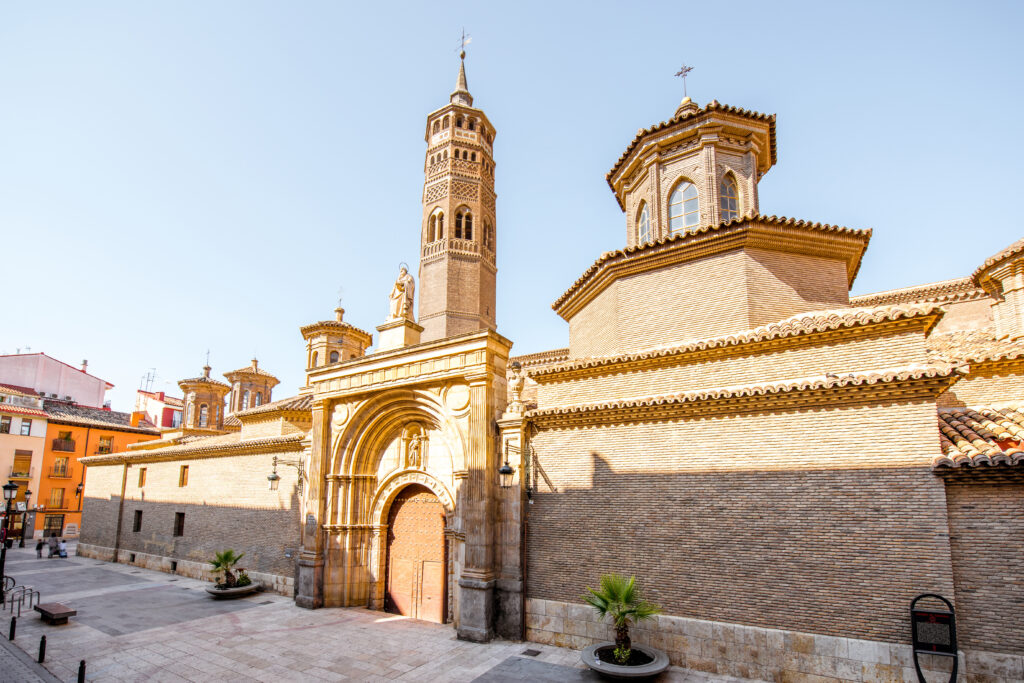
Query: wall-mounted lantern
{"x": 274, "y": 478}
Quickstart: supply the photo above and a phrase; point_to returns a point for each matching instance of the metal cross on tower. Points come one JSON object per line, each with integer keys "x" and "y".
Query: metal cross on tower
{"x": 463, "y": 42}
{"x": 682, "y": 73}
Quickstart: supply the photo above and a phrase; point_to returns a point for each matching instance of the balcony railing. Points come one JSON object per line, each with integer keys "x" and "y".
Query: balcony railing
{"x": 18, "y": 472}
{"x": 101, "y": 449}
{"x": 60, "y": 472}
{"x": 64, "y": 445}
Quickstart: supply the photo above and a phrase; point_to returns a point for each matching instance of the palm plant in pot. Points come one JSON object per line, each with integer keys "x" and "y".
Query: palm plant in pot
{"x": 619, "y": 599}
{"x": 226, "y": 561}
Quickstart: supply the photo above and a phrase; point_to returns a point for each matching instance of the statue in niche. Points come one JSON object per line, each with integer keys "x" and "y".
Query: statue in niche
{"x": 415, "y": 456}
{"x": 402, "y": 296}
{"x": 515, "y": 385}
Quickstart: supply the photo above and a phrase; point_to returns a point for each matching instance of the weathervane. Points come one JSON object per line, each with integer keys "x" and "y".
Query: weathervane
{"x": 341, "y": 292}
{"x": 463, "y": 42}
{"x": 682, "y": 73}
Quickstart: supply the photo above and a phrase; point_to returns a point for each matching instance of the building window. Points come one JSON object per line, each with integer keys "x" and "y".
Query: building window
{"x": 106, "y": 445}
{"x": 53, "y": 525}
{"x": 183, "y": 476}
{"x": 22, "y": 468}
{"x": 176, "y": 419}
{"x": 137, "y": 522}
{"x": 471, "y": 125}
{"x": 60, "y": 467}
{"x": 440, "y": 224}
{"x": 643, "y": 225}
{"x": 463, "y": 224}
{"x": 258, "y": 399}
{"x": 204, "y": 415}
{"x": 142, "y": 477}
{"x": 26, "y": 427}
{"x": 437, "y": 127}
{"x": 5, "y": 424}
{"x": 179, "y": 523}
{"x": 432, "y": 229}
{"x": 729, "y": 200}
{"x": 334, "y": 356}
{"x": 56, "y": 501}
{"x": 683, "y": 207}
{"x": 245, "y": 399}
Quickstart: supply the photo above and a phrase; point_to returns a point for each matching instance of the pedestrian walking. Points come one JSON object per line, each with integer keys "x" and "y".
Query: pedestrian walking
{"x": 51, "y": 543}
{"x": 40, "y": 544}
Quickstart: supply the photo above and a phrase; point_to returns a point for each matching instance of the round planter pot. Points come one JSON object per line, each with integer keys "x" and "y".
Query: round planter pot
{"x": 658, "y": 664}
{"x": 237, "y": 592}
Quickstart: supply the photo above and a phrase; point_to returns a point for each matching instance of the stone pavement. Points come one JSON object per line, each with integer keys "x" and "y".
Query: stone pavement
{"x": 140, "y": 625}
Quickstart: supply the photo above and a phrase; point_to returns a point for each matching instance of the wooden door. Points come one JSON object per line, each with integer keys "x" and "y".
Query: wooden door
{"x": 415, "y": 552}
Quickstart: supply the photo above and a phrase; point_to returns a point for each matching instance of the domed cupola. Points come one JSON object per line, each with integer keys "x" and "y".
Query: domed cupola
{"x": 250, "y": 387}
{"x": 204, "y": 401}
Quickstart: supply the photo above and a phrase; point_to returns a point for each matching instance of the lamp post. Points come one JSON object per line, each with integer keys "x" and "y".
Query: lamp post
{"x": 10, "y": 491}
{"x": 24, "y": 519}
{"x": 274, "y": 478}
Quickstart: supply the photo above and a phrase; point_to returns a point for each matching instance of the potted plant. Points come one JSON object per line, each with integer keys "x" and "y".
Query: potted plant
{"x": 619, "y": 599}
{"x": 233, "y": 586}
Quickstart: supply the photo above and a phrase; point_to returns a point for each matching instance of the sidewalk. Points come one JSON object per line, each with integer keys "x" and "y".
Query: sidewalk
{"x": 139, "y": 625}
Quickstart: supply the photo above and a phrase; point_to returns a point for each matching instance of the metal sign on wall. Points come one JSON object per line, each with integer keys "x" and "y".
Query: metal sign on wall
{"x": 933, "y": 631}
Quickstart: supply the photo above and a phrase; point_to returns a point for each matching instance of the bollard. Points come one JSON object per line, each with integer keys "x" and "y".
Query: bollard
{"x": 81, "y": 671}
{"x": 14, "y": 625}
{"x": 42, "y": 649}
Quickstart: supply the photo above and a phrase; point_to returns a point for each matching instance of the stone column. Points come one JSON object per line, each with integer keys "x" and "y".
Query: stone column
{"x": 509, "y": 618}
{"x": 309, "y": 579}
{"x": 476, "y": 584}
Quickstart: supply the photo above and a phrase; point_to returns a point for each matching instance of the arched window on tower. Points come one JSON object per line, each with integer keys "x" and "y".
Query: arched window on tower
{"x": 245, "y": 400}
{"x": 446, "y": 154}
{"x": 440, "y": 225}
{"x": 643, "y": 225}
{"x": 444, "y": 123}
{"x": 204, "y": 415}
{"x": 458, "y": 122}
{"x": 470, "y": 124}
{"x": 488, "y": 235}
{"x": 316, "y": 358}
{"x": 258, "y": 399}
{"x": 334, "y": 356}
{"x": 463, "y": 224}
{"x": 432, "y": 229}
{"x": 729, "y": 198}
{"x": 683, "y": 207}
{"x": 472, "y": 156}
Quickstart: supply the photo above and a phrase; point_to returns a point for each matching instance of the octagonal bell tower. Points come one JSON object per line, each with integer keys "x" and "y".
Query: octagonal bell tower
{"x": 458, "y": 232}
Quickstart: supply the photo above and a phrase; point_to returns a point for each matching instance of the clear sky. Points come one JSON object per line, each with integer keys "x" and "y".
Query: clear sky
{"x": 183, "y": 176}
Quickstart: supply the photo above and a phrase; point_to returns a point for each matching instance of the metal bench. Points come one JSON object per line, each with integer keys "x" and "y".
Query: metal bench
{"x": 55, "y": 613}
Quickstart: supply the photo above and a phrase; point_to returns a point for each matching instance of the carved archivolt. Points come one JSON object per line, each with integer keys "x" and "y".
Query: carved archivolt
{"x": 387, "y": 491}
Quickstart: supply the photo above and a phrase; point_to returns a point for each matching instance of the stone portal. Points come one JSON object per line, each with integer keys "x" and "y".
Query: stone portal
{"x": 415, "y": 555}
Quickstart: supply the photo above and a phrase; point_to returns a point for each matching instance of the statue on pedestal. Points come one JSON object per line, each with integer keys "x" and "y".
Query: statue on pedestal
{"x": 401, "y": 298}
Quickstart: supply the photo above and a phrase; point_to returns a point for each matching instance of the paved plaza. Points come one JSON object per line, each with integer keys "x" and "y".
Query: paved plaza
{"x": 140, "y": 625}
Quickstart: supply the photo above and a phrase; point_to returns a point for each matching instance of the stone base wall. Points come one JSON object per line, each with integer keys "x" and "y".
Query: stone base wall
{"x": 284, "y": 585}
{"x": 762, "y": 653}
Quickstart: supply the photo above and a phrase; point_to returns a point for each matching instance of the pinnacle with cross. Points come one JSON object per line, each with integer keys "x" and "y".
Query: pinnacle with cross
{"x": 683, "y": 73}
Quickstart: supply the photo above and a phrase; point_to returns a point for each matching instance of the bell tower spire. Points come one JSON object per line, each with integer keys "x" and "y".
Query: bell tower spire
{"x": 458, "y": 232}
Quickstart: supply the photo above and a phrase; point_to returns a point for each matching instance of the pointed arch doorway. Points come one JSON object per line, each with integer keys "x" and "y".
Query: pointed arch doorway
{"x": 415, "y": 575}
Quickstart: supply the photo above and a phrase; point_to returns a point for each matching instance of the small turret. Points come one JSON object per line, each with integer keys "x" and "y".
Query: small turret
{"x": 204, "y": 401}
{"x": 250, "y": 387}
{"x": 333, "y": 341}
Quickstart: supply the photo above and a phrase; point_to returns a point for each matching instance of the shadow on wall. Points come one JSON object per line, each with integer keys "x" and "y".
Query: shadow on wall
{"x": 839, "y": 552}
{"x": 263, "y": 534}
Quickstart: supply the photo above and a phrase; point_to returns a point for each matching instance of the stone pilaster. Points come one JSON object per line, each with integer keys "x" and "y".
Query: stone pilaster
{"x": 508, "y": 596}
{"x": 309, "y": 575}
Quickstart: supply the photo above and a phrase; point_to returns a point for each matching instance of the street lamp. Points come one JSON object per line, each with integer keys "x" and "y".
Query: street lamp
{"x": 24, "y": 519}
{"x": 274, "y": 478}
{"x": 10, "y": 491}
{"x": 507, "y": 475}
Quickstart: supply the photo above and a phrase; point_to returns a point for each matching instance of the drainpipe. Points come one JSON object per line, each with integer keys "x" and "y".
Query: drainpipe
{"x": 120, "y": 513}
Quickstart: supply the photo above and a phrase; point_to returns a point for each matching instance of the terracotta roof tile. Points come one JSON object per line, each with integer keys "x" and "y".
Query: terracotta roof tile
{"x": 974, "y": 437}
{"x": 21, "y": 410}
{"x": 817, "y": 382}
{"x": 530, "y": 360}
{"x": 70, "y": 413}
{"x": 226, "y": 444}
{"x": 300, "y": 403}
{"x": 804, "y": 323}
{"x": 17, "y": 390}
{"x": 253, "y": 370}
{"x": 734, "y": 226}
{"x": 972, "y": 346}
{"x": 960, "y": 289}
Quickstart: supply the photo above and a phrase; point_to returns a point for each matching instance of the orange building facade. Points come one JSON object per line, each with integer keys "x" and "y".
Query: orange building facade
{"x": 73, "y": 432}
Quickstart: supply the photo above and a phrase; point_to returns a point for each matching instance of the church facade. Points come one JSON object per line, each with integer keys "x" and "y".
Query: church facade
{"x": 783, "y": 467}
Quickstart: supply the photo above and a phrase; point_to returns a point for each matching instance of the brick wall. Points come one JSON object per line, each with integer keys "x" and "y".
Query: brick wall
{"x": 965, "y": 315}
{"x": 988, "y": 383}
{"x": 227, "y": 504}
{"x": 986, "y": 525}
{"x": 781, "y": 284}
{"x": 825, "y": 521}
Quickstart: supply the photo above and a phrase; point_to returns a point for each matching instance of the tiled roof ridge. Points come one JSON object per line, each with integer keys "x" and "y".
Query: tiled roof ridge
{"x": 800, "y": 324}
{"x": 249, "y": 370}
{"x": 230, "y": 444}
{"x": 202, "y": 380}
{"x": 810, "y": 383}
{"x": 333, "y": 323}
{"x": 300, "y": 403}
{"x": 703, "y": 231}
{"x": 957, "y": 289}
{"x": 70, "y": 413}
{"x": 1012, "y": 250}
{"x": 714, "y": 105}
{"x": 22, "y": 410}
{"x": 18, "y": 389}
{"x": 970, "y": 436}
{"x": 991, "y": 350}
{"x": 540, "y": 357}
